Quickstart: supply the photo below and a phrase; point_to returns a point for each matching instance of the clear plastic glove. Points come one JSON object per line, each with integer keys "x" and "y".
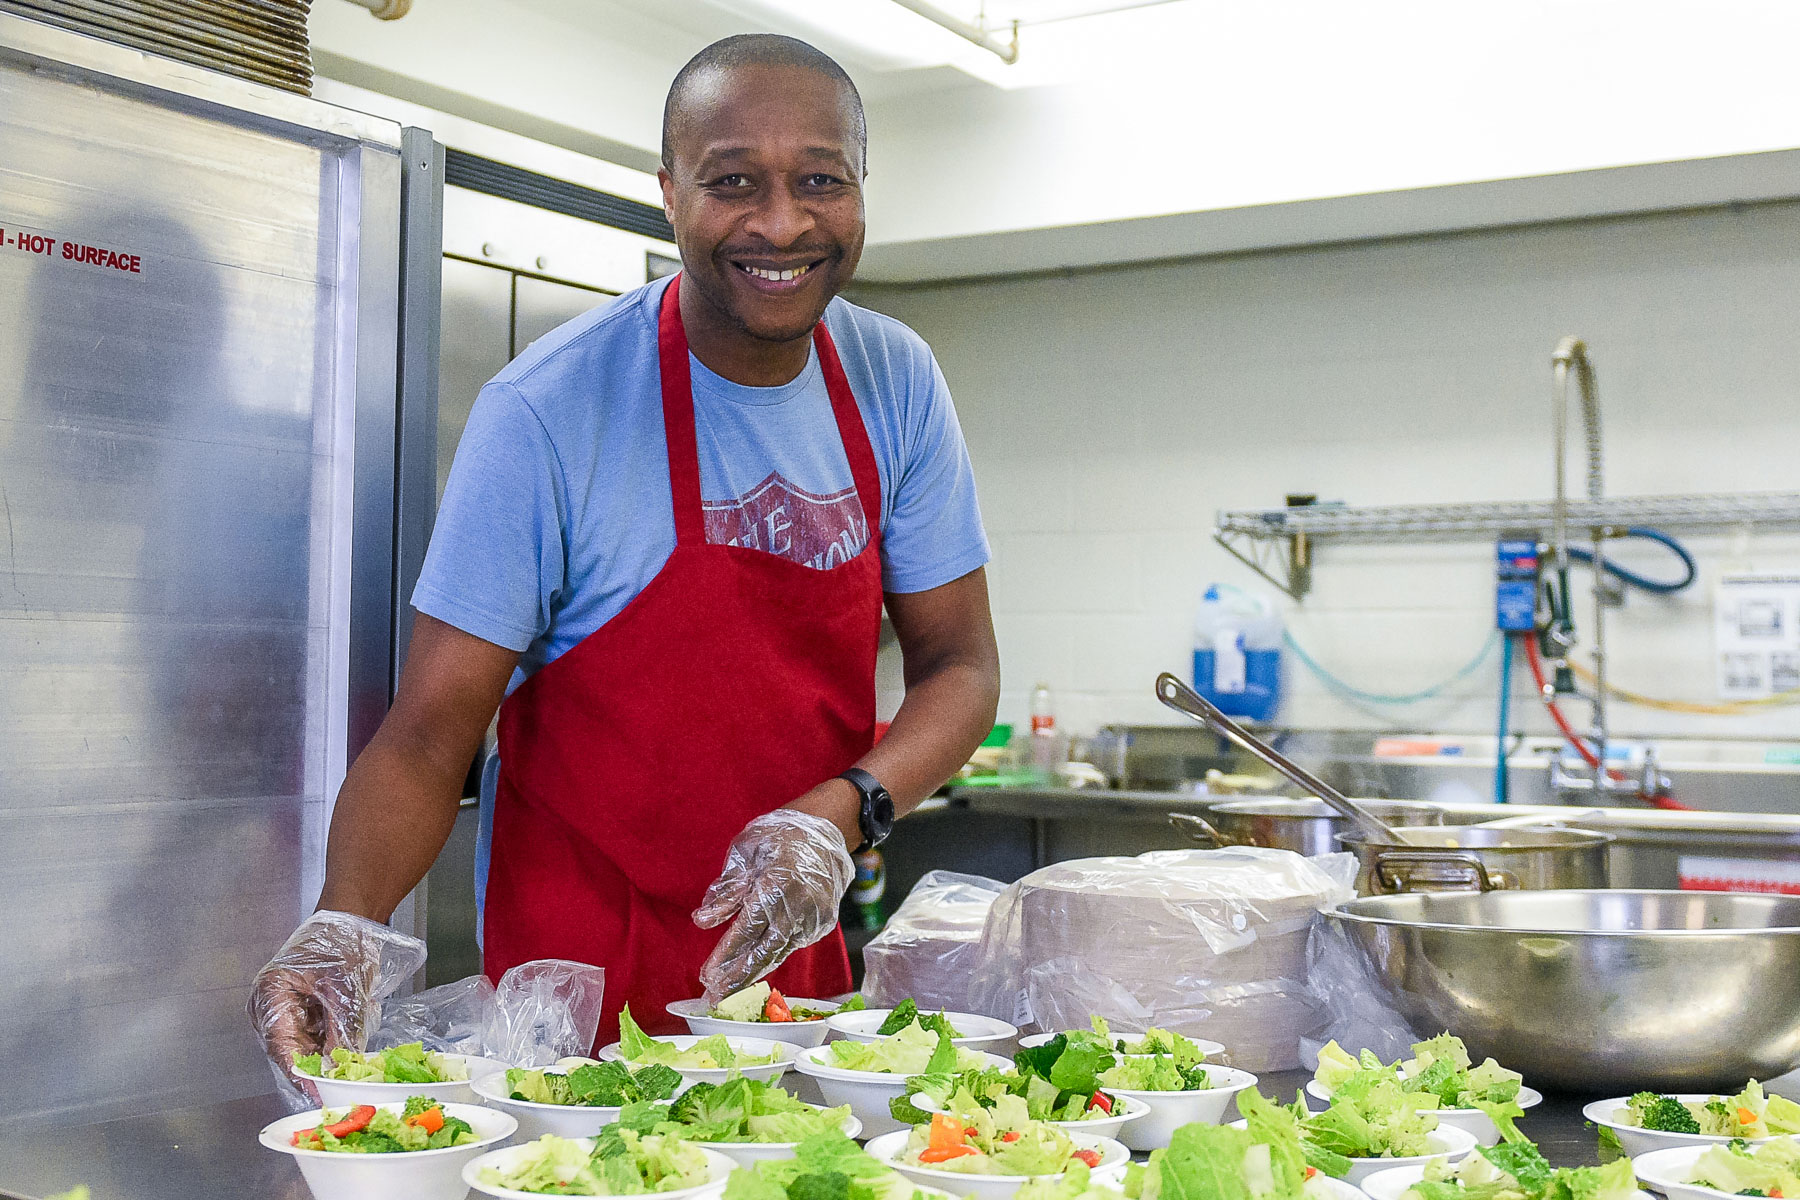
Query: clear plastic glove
{"x": 324, "y": 987}
{"x": 783, "y": 878}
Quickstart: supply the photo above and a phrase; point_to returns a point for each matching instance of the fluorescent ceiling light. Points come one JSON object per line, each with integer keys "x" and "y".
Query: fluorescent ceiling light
{"x": 890, "y": 34}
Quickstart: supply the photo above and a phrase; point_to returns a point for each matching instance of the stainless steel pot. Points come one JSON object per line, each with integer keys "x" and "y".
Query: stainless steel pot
{"x": 1595, "y": 991}
{"x": 1471, "y": 858}
{"x": 1305, "y": 826}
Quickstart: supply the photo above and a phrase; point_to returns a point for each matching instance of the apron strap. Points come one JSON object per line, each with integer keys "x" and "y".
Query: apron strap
{"x": 683, "y": 446}
{"x": 678, "y": 419}
{"x": 851, "y": 430}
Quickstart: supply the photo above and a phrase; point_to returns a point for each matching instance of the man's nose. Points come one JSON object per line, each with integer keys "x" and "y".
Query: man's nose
{"x": 782, "y": 219}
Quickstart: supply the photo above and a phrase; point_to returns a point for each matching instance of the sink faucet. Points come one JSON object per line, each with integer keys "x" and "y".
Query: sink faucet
{"x": 1571, "y": 357}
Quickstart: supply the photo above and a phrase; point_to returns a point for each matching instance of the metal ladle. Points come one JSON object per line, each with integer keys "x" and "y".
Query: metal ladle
{"x": 1182, "y": 698}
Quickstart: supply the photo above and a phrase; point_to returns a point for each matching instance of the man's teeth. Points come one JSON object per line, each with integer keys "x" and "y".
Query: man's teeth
{"x": 778, "y": 276}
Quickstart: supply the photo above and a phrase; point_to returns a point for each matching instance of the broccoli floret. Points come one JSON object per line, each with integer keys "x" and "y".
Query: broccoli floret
{"x": 1664, "y": 1114}
{"x": 1753, "y": 1192}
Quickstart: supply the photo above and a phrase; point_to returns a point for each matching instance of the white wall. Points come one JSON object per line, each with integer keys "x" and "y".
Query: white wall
{"x": 1110, "y": 414}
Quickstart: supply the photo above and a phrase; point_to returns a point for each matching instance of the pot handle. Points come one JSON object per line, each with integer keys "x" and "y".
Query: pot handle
{"x": 1475, "y": 876}
{"x": 1198, "y": 828}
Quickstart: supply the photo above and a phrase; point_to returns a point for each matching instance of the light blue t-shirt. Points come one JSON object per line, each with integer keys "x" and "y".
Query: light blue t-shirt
{"x": 557, "y": 510}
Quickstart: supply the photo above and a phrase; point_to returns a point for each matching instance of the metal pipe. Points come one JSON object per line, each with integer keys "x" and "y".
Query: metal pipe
{"x": 1571, "y": 355}
{"x": 1007, "y": 53}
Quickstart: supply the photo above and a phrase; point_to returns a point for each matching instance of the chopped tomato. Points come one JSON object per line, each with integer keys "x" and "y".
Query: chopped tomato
{"x": 775, "y": 1008}
{"x": 1775, "y": 1193}
{"x": 1090, "y": 1157}
{"x": 1101, "y": 1101}
{"x": 1310, "y": 1172}
{"x": 1011, "y": 1135}
{"x": 947, "y": 1133}
{"x": 1746, "y": 1117}
{"x": 431, "y": 1120}
{"x": 937, "y": 1154}
{"x": 357, "y": 1118}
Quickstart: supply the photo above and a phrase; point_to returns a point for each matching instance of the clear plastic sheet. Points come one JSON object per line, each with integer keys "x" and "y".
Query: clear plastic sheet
{"x": 1353, "y": 1008}
{"x": 1211, "y": 943}
{"x": 930, "y": 946}
{"x": 544, "y": 1010}
{"x": 324, "y": 988}
{"x": 451, "y": 1018}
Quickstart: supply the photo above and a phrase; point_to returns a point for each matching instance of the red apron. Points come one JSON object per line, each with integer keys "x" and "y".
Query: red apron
{"x": 733, "y": 683}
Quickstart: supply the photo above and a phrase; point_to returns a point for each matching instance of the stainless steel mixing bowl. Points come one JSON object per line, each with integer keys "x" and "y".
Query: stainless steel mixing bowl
{"x": 1605, "y": 991}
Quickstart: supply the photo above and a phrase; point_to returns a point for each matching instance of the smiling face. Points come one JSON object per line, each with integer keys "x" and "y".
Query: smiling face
{"x": 764, "y": 189}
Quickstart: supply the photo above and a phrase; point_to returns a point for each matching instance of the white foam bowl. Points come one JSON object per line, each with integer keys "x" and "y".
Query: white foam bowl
{"x": 342, "y": 1093}
{"x": 1446, "y": 1141}
{"x": 1169, "y": 1111}
{"x": 1472, "y": 1119}
{"x": 1337, "y": 1188}
{"x": 753, "y": 1046}
{"x": 750, "y": 1153}
{"x": 979, "y": 1032}
{"x": 1390, "y": 1183}
{"x": 1124, "y": 1109}
{"x": 416, "y": 1175}
{"x": 866, "y": 1092}
{"x": 1669, "y": 1172}
{"x": 718, "y": 1167}
{"x": 1637, "y": 1140}
{"x": 889, "y": 1147}
{"x": 797, "y": 1033}
{"x": 535, "y": 1119}
{"x": 1206, "y": 1048}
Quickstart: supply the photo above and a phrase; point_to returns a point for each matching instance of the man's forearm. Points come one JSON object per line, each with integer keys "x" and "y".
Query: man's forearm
{"x": 943, "y": 718}
{"x": 392, "y": 818}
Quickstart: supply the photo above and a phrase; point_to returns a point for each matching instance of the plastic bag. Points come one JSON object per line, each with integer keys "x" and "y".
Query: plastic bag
{"x": 930, "y": 946}
{"x": 1353, "y": 1008}
{"x": 545, "y": 1010}
{"x": 1210, "y": 943}
{"x": 451, "y": 1018}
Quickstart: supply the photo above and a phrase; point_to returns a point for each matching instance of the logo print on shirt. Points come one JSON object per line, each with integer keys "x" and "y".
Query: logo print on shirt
{"x": 790, "y": 522}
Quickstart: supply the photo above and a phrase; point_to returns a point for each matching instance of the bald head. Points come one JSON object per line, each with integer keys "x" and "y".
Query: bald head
{"x": 697, "y": 83}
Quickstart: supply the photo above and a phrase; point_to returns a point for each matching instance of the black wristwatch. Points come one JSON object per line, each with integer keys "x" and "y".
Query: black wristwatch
{"x": 877, "y": 816}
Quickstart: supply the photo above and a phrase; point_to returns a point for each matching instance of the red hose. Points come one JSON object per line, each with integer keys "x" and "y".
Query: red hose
{"x": 1536, "y": 663}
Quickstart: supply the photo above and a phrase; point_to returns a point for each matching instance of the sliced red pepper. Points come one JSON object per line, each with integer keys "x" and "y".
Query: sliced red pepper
{"x": 775, "y": 1008}
{"x": 431, "y": 1120}
{"x": 1101, "y": 1101}
{"x": 938, "y": 1154}
{"x": 1310, "y": 1172}
{"x": 1090, "y": 1157}
{"x": 1011, "y": 1135}
{"x": 358, "y": 1118}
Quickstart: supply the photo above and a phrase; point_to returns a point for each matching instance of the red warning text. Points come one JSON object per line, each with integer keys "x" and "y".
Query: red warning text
{"x": 75, "y": 252}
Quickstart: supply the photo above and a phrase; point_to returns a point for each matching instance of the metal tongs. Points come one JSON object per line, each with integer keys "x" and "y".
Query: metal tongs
{"x": 1182, "y": 698}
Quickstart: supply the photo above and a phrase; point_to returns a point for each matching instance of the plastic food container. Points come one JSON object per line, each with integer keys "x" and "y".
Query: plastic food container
{"x": 418, "y": 1175}
{"x": 754, "y": 1046}
{"x": 979, "y": 1032}
{"x": 748, "y": 1154}
{"x": 866, "y": 1092}
{"x": 1207, "y": 1049}
{"x": 1446, "y": 1141}
{"x": 1472, "y": 1119}
{"x": 718, "y": 1167}
{"x": 1637, "y": 1140}
{"x": 1169, "y": 1111}
{"x": 888, "y": 1148}
{"x": 1669, "y": 1172}
{"x": 797, "y": 1033}
{"x": 535, "y": 1120}
{"x": 1124, "y": 1109}
{"x": 340, "y": 1093}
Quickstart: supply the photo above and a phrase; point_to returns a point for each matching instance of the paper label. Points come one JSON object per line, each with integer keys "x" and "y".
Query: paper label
{"x": 1757, "y": 623}
{"x": 1738, "y": 875}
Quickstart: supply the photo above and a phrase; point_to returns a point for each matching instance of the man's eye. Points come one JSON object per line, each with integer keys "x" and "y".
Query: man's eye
{"x": 730, "y": 181}
{"x": 821, "y": 180}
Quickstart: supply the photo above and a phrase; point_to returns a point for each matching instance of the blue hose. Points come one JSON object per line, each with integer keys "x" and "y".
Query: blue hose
{"x": 1502, "y": 785}
{"x": 1659, "y": 586}
{"x": 1353, "y": 692}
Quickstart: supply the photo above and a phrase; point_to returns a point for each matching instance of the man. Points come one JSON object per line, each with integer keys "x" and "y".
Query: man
{"x": 666, "y": 541}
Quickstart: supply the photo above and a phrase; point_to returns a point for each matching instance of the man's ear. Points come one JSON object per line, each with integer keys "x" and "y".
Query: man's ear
{"x": 668, "y": 190}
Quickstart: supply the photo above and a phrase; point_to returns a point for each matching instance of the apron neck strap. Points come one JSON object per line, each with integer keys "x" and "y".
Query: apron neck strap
{"x": 683, "y": 446}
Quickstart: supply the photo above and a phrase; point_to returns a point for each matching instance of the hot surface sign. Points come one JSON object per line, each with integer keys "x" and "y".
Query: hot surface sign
{"x": 70, "y": 251}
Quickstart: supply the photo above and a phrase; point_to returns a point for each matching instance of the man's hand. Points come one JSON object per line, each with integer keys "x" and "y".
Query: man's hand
{"x": 324, "y": 987}
{"x": 783, "y": 878}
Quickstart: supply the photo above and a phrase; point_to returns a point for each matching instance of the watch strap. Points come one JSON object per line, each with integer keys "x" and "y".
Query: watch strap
{"x": 876, "y": 818}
